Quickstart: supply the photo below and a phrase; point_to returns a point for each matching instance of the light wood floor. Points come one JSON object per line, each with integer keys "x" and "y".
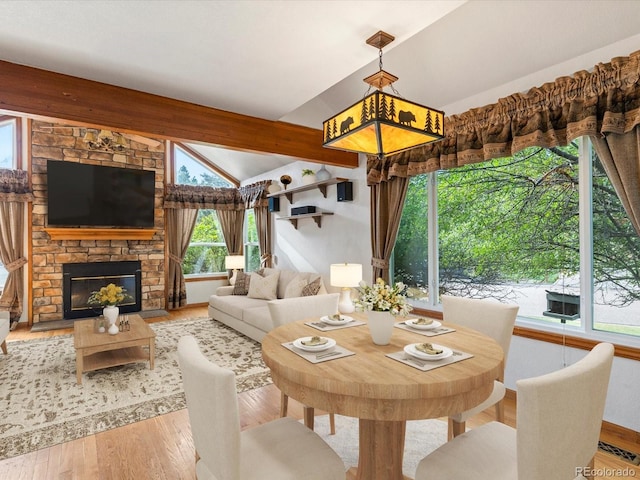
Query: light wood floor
{"x": 161, "y": 448}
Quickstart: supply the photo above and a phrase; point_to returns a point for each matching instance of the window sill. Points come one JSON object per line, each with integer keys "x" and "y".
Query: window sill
{"x": 204, "y": 277}
{"x": 574, "y": 339}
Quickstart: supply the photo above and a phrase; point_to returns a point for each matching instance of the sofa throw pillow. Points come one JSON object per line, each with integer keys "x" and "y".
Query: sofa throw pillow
{"x": 263, "y": 287}
{"x": 294, "y": 288}
{"x": 243, "y": 280}
{"x": 312, "y": 288}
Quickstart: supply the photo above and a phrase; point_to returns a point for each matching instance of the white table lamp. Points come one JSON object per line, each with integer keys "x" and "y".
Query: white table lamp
{"x": 345, "y": 275}
{"x": 235, "y": 263}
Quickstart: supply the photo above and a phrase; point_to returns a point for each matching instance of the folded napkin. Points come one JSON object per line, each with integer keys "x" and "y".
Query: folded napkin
{"x": 428, "y": 349}
{"x": 423, "y": 321}
{"x": 314, "y": 341}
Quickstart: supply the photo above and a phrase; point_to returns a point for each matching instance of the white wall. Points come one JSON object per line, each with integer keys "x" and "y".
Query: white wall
{"x": 200, "y": 291}
{"x": 530, "y": 358}
{"x": 343, "y": 237}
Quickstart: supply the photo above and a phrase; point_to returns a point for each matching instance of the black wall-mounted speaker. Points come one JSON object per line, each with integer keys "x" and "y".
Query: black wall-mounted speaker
{"x": 274, "y": 204}
{"x": 345, "y": 191}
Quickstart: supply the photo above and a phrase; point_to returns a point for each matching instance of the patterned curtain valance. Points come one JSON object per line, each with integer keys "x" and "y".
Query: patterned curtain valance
{"x": 254, "y": 195}
{"x": 204, "y": 197}
{"x": 604, "y": 100}
{"x": 14, "y": 186}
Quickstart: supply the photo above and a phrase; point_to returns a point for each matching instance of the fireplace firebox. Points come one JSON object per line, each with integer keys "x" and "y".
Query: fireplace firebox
{"x": 81, "y": 279}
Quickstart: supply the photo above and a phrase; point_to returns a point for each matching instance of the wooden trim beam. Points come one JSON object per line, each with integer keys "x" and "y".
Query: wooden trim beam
{"x": 42, "y": 93}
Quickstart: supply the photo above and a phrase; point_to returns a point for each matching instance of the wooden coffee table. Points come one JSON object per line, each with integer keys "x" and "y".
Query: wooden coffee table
{"x": 101, "y": 350}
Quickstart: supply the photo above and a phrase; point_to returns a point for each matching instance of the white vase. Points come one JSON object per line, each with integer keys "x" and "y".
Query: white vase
{"x": 113, "y": 329}
{"x": 110, "y": 313}
{"x": 323, "y": 174}
{"x": 380, "y": 326}
{"x": 274, "y": 187}
{"x": 307, "y": 179}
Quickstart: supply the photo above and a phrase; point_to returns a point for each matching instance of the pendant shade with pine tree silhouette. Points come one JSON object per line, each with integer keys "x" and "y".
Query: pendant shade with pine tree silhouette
{"x": 383, "y": 124}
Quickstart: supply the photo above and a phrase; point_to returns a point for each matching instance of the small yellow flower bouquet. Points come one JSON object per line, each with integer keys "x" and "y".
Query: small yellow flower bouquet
{"x": 109, "y": 295}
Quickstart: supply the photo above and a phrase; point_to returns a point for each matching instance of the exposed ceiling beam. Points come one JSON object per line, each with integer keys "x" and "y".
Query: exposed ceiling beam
{"x": 43, "y": 93}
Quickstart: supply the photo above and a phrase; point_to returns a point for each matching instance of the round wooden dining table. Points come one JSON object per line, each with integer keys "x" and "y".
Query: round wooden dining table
{"x": 381, "y": 392}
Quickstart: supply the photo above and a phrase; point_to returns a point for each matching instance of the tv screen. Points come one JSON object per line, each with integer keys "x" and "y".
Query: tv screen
{"x": 82, "y": 195}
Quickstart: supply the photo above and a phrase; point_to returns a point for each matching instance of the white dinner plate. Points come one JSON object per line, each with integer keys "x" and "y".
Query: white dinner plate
{"x": 343, "y": 319}
{"x": 411, "y": 350}
{"x": 315, "y": 348}
{"x": 412, "y": 323}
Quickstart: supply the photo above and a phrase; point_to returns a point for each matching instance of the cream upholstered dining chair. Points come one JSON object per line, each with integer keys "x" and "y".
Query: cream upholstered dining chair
{"x": 4, "y": 330}
{"x": 279, "y": 450}
{"x": 495, "y": 320}
{"x": 282, "y": 314}
{"x": 558, "y": 418}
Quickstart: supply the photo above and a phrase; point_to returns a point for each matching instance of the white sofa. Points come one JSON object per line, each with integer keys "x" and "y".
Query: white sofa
{"x": 4, "y": 330}
{"x": 251, "y": 316}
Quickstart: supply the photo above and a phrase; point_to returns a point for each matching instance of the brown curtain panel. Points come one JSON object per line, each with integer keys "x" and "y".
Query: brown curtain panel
{"x": 179, "y": 227}
{"x": 15, "y": 191}
{"x": 620, "y": 157}
{"x": 600, "y": 102}
{"x": 263, "y": 225}
{"x": 12, "y": 257}
{"x": 387, "y": 201}
{"x": 232, "y": 222}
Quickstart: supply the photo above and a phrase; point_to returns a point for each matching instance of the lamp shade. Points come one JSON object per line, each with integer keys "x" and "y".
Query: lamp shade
{"x": 345, "y": 274}
{"x": 382, "y": 124}
{"x": 234, "y": 262}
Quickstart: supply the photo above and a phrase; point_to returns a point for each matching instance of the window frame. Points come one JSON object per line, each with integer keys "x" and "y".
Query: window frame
{"x": 558, "y": 333}
{"x": 17, "y": 138}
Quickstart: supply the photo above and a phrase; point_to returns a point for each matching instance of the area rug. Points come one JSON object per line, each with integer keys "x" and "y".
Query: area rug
{"x": 421, "y": 438}
{"x": 42, "y": 405}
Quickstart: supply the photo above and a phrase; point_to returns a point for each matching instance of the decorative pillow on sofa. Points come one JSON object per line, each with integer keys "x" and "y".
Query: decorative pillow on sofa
{"x": 312, "y": 288}
{"x": 243, "y": 281}
{"x": 295, "y": 286}
{"x": 264, "y": 287}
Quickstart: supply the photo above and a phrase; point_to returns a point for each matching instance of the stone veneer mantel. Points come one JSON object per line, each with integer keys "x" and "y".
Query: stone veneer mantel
{"x": 100, "y": 233}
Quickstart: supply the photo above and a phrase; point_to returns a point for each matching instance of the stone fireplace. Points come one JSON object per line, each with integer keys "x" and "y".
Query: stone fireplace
{"x": 49, "y": 256}
{"x": 79, "y": 280}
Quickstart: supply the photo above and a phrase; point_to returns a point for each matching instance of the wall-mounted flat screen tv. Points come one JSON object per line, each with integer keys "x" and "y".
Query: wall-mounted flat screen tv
{"x": 82, "y": 195}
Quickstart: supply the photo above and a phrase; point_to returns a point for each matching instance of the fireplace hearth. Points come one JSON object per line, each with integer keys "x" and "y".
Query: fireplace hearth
{"x": 80, "y": 279}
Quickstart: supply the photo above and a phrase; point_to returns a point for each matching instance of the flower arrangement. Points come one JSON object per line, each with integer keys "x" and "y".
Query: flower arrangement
{"x": 381, "y": 297}
{"x": 307, "y": 171}
{"x": 109, "y": 295}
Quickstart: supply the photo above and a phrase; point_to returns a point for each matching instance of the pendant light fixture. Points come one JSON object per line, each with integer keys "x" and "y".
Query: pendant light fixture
{"x": 381, "y": 123}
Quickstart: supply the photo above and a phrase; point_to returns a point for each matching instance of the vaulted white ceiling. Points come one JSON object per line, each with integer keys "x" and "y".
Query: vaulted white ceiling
{"x": 301, "y": 61}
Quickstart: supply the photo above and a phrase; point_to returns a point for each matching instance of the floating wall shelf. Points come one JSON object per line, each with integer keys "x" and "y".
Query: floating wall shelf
{"x": 322, "y": 186}
{"x": 317, "y": 217}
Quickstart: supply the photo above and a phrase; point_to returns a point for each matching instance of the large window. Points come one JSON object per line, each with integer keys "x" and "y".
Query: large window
{"x": 8, "y": 142}
{"x": 251, "y": 246}
{"x": 207, "y": 248}
{"x": 8, "y": 159}
{"x": 511, "y": 228}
